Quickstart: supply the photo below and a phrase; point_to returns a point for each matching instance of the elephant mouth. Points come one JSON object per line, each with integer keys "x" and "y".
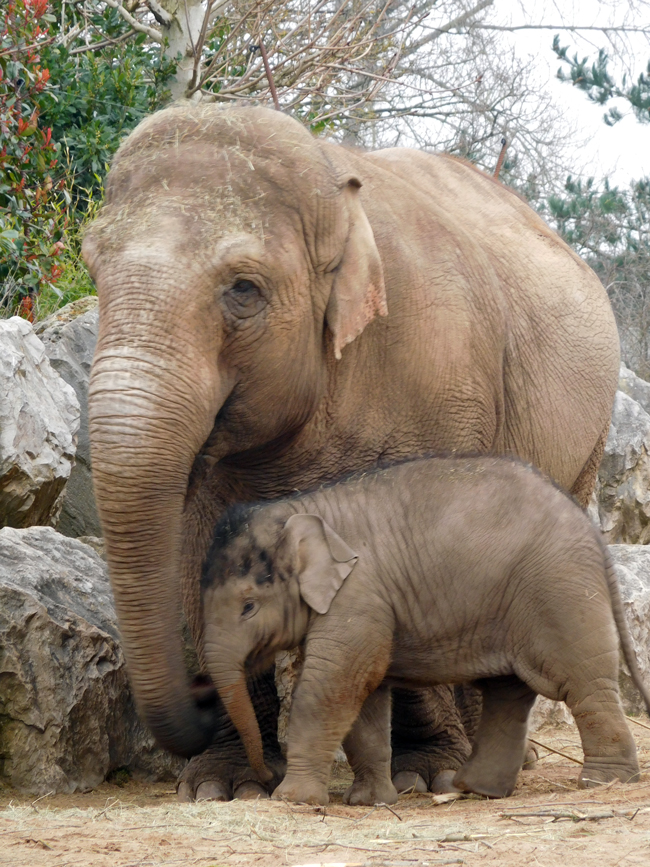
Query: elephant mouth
{"x": 260, "y": 661}
{"x": 203, "y": 692}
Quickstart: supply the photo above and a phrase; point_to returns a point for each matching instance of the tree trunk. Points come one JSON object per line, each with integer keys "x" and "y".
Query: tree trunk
{"x": 182, "y": 33}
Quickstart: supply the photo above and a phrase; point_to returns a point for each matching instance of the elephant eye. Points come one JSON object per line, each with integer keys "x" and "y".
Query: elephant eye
{"x": 243, "y": 288}
{"x": 249, "y": 609}
{"x": 244, "y": 299}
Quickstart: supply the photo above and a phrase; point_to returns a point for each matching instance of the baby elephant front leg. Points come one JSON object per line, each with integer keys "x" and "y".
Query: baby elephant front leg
{"x": 328, "y": 700}
{"x": 367, "y": 747}
{"x": 317, "y": 725}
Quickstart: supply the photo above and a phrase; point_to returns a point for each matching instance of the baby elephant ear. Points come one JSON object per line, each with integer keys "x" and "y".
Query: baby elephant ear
{"x": 324, "y": 560}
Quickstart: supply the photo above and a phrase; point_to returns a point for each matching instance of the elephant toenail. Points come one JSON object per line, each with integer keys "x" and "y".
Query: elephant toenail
{"x": 212, "y": 791}
{"x": 443, "y": 783}
{"x": 250, "y": 791}
{"x": 409, "y": 781}
{"x": 184, "y": 794}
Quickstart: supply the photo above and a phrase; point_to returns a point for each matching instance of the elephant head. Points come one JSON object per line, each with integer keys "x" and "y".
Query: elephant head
{"x": 233, "y": 263}
{"x": 264, "y": 576}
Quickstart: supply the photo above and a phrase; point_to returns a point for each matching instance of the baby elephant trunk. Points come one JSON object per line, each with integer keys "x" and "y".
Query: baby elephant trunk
{"x": 233, "y": 692}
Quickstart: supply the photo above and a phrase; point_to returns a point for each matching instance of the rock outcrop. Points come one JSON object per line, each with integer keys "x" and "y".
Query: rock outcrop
{"x": 622, "y": 492}
{"x": 69, "y": 336}
{"x": 635, "y": 387}
{"x": 66, "y": 712}
{"x": 633, "y": 570}
{"x": 39, "y": 420}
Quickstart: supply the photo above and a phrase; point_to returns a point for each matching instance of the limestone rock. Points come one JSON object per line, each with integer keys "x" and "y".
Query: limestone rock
{"x": 633, "y": 570}
{"x": 69, "y": 336}
{"x": 635, "y": 387}
{"x": 66, "y": 712}
{"x": 39, "y": 420}
{"x": 623, "y": 487}
{"x": 288, "y": 667}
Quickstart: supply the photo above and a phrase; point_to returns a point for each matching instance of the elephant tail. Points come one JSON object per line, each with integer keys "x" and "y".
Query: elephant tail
{"x": 621, "y": 623}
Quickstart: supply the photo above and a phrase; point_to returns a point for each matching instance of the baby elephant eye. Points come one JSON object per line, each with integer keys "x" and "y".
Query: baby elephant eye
{"x": 248, "y": 609}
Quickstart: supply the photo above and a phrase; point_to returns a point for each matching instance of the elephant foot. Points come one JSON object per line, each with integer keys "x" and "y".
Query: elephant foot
{"x": 301, "y": 791}
{"x": 221, "y": 774}
{"x": 532, "y": 755}
{"x": 597, "y": 772}
{"x": 491, "y": 782}
{"x": 428, "y": 739}
{"x": 367, "y": 793}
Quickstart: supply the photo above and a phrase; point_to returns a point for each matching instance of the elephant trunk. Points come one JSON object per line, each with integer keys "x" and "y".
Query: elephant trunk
{"x": 230, "y": 683}
{"x": 145, "y": 434}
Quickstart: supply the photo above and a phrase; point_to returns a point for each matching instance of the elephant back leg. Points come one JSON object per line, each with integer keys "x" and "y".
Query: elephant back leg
{"x": 594, "y": 700}
{"x": 500, "y": 742}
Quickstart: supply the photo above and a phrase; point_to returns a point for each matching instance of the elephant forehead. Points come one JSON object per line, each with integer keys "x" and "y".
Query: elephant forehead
{"x": 191, "y": 217}
{"x": 248, "y": 167}
{"x": 248, "y": 131}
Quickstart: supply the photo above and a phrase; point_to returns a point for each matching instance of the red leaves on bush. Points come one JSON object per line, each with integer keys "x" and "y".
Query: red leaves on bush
{"x": 28, "y": 210}
{"x": 38, "y": 8}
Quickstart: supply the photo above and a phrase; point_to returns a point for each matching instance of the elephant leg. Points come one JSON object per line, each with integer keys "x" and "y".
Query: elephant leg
{"x": 222, "y": 772}
{"x": 500, "y": 743}
{"x": 608, "y": 746}
{"x": 469, "y": 702}
{"x": 584, "y": 485}
{"x": 428, "y": 739}
{"x": 367, "y": 747}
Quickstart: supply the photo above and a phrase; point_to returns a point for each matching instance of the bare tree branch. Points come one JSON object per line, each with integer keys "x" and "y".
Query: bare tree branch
{"x": 151, "y": 32}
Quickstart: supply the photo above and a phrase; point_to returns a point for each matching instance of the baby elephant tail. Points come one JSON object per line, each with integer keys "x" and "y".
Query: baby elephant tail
{"x": 624, "y": 633}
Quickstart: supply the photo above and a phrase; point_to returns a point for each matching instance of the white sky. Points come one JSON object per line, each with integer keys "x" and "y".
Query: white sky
{"x": 622, "y": 151}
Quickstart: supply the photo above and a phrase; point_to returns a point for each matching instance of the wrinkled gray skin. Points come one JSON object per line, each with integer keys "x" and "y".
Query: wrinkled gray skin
{"x": 442, "y": 570}
{"x": 277, "y": 311}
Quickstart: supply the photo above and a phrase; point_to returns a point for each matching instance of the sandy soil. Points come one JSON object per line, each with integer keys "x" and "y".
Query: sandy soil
{"x": 547, "y": 822}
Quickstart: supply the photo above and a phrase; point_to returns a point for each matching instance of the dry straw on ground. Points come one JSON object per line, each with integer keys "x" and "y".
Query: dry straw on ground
{"x": 547, "y": 822}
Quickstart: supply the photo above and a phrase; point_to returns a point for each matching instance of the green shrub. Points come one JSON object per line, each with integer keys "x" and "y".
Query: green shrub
{"x": 33, "y": 204}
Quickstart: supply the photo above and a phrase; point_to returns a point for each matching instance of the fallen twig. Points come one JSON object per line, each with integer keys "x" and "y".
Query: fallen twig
{"x": 557, "y": 752}
{"x": 638, "y": 722}
{"x": 390, "y": 809}
{"x": 573, "y": 815}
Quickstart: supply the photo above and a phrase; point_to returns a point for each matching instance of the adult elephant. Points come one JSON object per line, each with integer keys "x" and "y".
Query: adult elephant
{"x": 276, "y": 311}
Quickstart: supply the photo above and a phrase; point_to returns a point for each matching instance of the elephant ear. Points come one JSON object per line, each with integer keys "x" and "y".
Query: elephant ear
{"x": 323, "y": 559}
{"x": 358, "y": 292}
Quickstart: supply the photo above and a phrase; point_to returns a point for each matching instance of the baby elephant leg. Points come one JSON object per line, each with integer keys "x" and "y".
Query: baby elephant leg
{"x": 500, "y": 742}
{"x": 367, "y": 747}
{"x": 608, "y": 746}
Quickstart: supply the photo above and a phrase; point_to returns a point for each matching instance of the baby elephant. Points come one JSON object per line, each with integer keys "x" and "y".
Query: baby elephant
{"x": 439, "y": 570}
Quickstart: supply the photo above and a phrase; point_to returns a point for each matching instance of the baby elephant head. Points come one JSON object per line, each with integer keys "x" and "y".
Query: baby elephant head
{"x": 263, "y": 577}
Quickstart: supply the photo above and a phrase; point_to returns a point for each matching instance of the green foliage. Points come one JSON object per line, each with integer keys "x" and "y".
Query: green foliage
{"x": 590, "y": 218}
{"x": 74, "y": 280}
{"x": 610, "y": 228}
{"x": 597, "y": 82}
{"x": 32, "y": 215}
{"x": 63, "y": 112}
{"x": 99, "y": 95}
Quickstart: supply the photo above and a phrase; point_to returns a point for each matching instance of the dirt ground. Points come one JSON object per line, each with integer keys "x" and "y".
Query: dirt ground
{"x": 548, "y": 821}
